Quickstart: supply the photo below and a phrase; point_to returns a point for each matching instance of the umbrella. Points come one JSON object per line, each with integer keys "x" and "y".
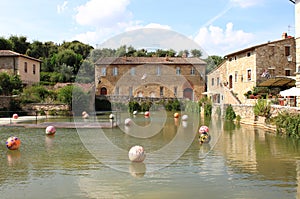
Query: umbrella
{"x": 294, "y": 91}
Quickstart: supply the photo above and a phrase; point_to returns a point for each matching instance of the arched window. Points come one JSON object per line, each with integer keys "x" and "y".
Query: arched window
{"x": 103, "y": 91}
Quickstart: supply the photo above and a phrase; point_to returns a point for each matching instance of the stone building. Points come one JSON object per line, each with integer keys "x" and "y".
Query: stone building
{"x": 269, "y": 64}
{"x": 150, "y": 77}
{"x": 28, "y": 68}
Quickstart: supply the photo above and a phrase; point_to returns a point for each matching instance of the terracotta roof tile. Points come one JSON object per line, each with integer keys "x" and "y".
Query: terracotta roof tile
{"x": 9, "y": 53}
{"x": 149, "y": 60}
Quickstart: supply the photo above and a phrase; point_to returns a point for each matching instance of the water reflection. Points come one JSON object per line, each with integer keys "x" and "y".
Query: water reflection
{"x": 239, "y": 162}
{"x": 137, "y": 169}
{"x": 13, "y": 157}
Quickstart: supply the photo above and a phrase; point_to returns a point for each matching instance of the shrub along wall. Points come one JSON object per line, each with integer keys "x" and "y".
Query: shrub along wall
{"x": 246, "y": 111}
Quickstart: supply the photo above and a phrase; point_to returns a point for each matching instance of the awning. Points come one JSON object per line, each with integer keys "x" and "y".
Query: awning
{"x": 294, "y": 91}
{"x": 279, "y": 81}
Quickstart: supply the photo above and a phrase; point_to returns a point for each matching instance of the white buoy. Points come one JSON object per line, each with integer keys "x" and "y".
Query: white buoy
{"x": 184, "y": 117}
{"x": 128, "y": 121}
{"x": 85, "y": 115}
{"x": 137, "y": 154}
{"x": 112, "y": 116}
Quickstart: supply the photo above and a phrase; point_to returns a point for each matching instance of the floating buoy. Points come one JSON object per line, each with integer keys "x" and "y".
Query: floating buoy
{"x": 136, "y": 154}
{"x": 203, "y": 129}
{"x": 176, "y": 115}
{"x": 85, "y": 115}
{"x": 15, "y": 116}
{"x": 50, "y": 130}
{"x": 134, "y": 112}
{"x": 112, "y": 116}
{"x": 128, "y": 121}
{"x": 13, "y": 143}
{"x": 184, "y": 117}
{"x": 204, "y": 138}
{"x": 147, "y": 114}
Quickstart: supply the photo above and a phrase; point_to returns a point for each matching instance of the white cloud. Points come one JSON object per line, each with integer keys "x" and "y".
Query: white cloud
{"x": 244, "y": 4}
{"x": 61, "y": 8}
{"x": 138, "y": 25}
{"x": 103, "y": 13}
{"x": 217, "y": 41}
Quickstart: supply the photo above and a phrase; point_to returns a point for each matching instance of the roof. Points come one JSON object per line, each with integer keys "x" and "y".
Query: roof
{"x": 279, "y": 81}
{"x": 149, "y": 60}
{"x": 9, "y": 53}
{"x": 257, "y": 46}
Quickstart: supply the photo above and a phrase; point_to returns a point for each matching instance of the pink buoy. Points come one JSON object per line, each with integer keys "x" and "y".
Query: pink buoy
{"x": 50, "y": 130}
{"x": 13, "y": 143}
{"x": 147, "y": 114}
{"x": 203, "y": 129}
{"x": 136, "y": 154}
{"x": 15, "y": 116}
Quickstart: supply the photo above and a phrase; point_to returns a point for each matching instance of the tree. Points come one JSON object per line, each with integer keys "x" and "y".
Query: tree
{"x": 212, "y": 62}
{"x": 36, "y": 50}
{"x": 5, "y": 44}
{"x": 77, "y": 47}
{"x": 9, "y": 83}
{"x": 75, "y": 97}
{"x": 19, "y": 44}
{"x": 196, "y": 53}
{"x": 183, "y": 53}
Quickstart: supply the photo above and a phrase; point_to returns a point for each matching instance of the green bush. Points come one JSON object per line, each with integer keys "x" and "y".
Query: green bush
{"x": 36, "y": 94}
{"x": 288, "y": 123}
{"x": 230, "y": 114}
{"x": 262, "y": 108}
{"x": 133, "y": 106}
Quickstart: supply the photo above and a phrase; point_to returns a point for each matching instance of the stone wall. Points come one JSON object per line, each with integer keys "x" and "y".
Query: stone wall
{"x": 246, "y": 111}
{"x": 46, "y": 109}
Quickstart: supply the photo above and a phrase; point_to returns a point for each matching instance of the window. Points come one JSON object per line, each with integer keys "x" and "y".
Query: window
{"x": 33, "y": 68}
{"x": 175, "y": 90}
{"x": 287, "y": 72}
{"x": 249, "y": 74}
{"x": 178, "y": 71}
{"x": 115, "y": 71}
{"x": 132, "y": 71}
{"x": 103, "y": 71}
{"x": 25, "y": 67}
{"x": 248, "y": 54}
{"x": 218, "y": 81}
{"x": 287, "y": 50}
{"x": 212, "y": 81}
{"x": 161, "y": 91}
{"x": 235, "y": 76}
{"x": 158, "y": 71}
{"x": 192, "y": 71}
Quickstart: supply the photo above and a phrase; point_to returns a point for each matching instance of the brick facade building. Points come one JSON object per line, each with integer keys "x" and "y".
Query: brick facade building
{"x": 151, "y": 77}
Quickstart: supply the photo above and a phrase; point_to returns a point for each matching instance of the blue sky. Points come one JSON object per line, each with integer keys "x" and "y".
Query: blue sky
{"x": 220, "y": 27}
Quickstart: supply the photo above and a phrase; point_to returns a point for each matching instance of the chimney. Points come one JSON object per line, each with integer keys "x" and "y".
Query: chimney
{"x": 284, "y": 35}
